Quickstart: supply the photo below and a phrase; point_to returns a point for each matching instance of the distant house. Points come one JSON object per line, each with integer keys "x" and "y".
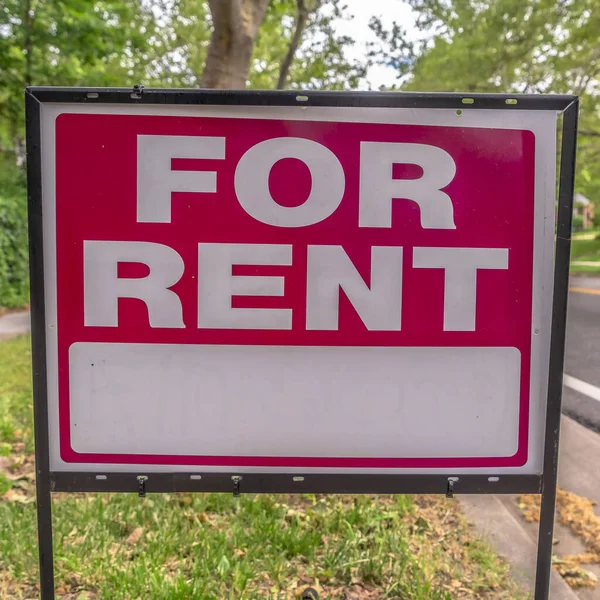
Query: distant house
{"x": 582, "y": 207}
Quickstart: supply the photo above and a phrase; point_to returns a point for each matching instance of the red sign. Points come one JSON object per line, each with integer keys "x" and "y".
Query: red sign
{"x": 221, "y": 232}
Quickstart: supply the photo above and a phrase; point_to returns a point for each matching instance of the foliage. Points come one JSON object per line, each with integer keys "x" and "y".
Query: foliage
{"x": 577, "y": 223}
{"x": 521, "y": 46}
{"x": 14, "y": 275}
{"x": 393, "y": 49}
{"x": 320, "y": 62}
{"x": 124, "y": 42}
{"x": 214, "y": 546}
{"x": 68, "y": 42}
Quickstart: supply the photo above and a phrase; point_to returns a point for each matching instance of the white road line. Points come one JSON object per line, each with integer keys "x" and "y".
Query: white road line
{"x": 589, "y": 390}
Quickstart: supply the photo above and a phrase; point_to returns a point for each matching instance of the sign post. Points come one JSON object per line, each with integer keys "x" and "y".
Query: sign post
{"x": 265, "y": 292}
{"x": 557, "y": 349}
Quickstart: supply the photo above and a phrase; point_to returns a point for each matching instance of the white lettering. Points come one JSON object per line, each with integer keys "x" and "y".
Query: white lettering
{"x": 330, "y": 268}
{"x": 156, "y": 180}
{"x": 252, "y": 182}
{"x": 103, "y": 288}
{"x": 378, "y": 188}
{"x": 216, "y": 286}
{"x": 460, "y": 285}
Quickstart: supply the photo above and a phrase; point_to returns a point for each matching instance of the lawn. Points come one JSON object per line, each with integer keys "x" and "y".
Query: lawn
{"x": 214, "y": 546}
{"x": 585, "y": 247}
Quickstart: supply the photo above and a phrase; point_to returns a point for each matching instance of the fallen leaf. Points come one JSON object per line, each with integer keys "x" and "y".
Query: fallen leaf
{"x": 135, "y": 536}
{"x": 15, "y": 496}
{"x": 577, "y": 513}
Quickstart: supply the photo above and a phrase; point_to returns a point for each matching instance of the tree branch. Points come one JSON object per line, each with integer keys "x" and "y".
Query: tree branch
{"x": 28, "y": 22}
{"x": 301, "y": 20}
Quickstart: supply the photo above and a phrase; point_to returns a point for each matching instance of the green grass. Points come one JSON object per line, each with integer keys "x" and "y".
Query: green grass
{"x": 585, "y": 250}
{"x": 584, "y": 233}
{"x": 585, "y": 268}
{"x": 214, "y": 546}
{"x": 16, "y": 417}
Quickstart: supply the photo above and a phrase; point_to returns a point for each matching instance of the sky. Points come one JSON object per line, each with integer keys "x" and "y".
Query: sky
{"x": 358, "y": 29}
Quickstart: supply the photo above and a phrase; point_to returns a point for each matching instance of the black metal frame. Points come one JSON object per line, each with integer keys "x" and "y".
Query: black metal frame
{"x": 143, "y": 482}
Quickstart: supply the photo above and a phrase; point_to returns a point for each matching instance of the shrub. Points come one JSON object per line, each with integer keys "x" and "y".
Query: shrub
{"x": 577, "y": 223}
{"x": 14, "y": 275}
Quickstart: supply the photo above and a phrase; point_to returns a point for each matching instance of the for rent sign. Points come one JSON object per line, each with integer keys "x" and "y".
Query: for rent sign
{"x": 297, "y": 288}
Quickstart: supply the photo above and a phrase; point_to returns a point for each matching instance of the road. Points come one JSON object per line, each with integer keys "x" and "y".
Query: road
{"x": 581, "y": 402}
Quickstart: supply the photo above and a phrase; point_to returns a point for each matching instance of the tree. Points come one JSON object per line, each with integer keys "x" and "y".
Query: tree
{"x": 67, "y": 42}
{"x": 318, "y": 61}
{"x": 171, "y": 43}
{"x": 235, "y": 27}
{"x": 305, "y": 7}
{"x": 168, "y": 43}
{"x": 520, "y": 46}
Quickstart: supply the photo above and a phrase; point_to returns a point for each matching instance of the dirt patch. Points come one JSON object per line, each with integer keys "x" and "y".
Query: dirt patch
{"x": 19, "y": 471}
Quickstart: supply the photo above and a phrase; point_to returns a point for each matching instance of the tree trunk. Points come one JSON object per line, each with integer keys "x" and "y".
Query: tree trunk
{"x": 301, "y": 20}
{"x": 28, "y": 23}
{"x": 235, "y": 27}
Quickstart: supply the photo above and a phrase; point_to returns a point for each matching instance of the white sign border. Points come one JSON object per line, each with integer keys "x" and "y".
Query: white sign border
{"x": 541, "y": 122}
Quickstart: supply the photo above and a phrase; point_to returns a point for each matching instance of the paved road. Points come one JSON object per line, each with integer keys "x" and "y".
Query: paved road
{"x": 582, "y": 365}
{"x": 13, "y": 324}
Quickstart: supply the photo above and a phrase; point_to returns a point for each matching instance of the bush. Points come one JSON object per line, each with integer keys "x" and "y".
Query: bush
{"x": 14, "y": 275}
{"x": 577, "y": 223}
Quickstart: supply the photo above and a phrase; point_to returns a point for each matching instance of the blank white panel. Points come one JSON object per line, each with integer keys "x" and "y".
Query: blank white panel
{"x": 294, "y": 401}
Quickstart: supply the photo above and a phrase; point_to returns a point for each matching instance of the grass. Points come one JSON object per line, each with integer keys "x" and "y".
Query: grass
{"x": 209, "y": 546}
{"x": 586, "y": 250}
{"x": 585, "y": 269}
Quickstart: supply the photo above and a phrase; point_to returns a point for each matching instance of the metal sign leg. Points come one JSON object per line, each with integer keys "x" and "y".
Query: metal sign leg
{"x": 44, "y": 520}
{"x": 557, "y": 351}
{"x": 545, "y": 544}
{"x": 38, "y": 348}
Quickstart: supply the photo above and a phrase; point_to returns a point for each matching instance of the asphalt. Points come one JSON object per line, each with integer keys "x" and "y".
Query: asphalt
{"x": 582, "y": 360}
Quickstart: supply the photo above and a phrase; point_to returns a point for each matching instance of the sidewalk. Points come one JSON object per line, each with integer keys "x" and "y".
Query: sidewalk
{"x": 500, "y": 520}
{"x": 12, "y": 324}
